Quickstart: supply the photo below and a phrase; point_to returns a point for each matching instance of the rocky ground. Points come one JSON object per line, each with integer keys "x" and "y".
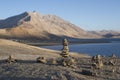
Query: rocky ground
{"x": 26, "y": 67}
{"x": 30, "y": 70}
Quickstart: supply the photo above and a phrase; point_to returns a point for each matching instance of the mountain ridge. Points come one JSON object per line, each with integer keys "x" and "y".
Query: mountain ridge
{"x": 107, "y": 33}
{"x": 33, "y": 24}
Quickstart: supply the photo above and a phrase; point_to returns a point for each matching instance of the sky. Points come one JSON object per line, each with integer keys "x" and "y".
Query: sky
{"x": 87, "y": 14}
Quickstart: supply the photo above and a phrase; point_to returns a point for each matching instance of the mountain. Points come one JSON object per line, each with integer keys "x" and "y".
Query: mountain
{"x": 107, "y": 33}
{"x": 35, "y": 25}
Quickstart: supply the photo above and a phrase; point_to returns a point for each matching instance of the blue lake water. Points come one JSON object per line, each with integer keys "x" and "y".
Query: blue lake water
{"x": 105, "y": 49}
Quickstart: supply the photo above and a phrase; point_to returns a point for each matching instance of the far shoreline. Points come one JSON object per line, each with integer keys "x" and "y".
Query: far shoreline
{"x": 54, "y": 44}
{"x": 71, "y": 41}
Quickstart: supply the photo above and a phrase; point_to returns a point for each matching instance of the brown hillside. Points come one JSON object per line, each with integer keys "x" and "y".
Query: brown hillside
{"x": 33, "y": 24}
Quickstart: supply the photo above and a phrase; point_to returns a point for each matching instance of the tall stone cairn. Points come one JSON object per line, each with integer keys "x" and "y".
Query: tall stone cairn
{"x": 65, "y": 50}
{"x": 66, "y": 59}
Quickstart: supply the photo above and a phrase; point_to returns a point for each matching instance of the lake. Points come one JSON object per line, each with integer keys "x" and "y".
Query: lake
{"x": 105, "y": 49}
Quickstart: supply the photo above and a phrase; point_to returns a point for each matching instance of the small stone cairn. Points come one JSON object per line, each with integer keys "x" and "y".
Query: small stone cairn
{"x": 97, "y": 62}
{"x": 111, "y": 61}
{"x": 11, "y": 59}
{"x": 66, "y": 59}
{"x": 52, "y": 61}
{"x": 113, "y": 56}
{"x": 41, "y": 60}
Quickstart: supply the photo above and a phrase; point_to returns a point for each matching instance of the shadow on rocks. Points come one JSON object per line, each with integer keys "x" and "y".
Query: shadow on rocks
{"x": 21, "y": 78}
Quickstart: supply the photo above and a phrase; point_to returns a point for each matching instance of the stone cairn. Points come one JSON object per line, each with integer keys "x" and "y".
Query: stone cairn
{"x": 113, "y": 56}
{"x": 65, "y": 50}
{"x": 97, "y": 62}
{"x": 52, "y": 61}
{"x": 41, "y": 60}
{"x": 11, "y": 59}
{"x": 66, "y": 59}
{"x": 111, "y": 61}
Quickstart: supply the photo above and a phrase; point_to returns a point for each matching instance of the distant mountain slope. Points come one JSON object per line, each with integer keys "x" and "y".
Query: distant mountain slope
{"x": 107, "y": 33}
{"x": 35, "y": 25}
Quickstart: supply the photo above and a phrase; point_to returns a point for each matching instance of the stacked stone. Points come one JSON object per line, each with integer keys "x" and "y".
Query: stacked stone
{"x": 11, "y": 59}
{"x": 41, "y": 60}
{"x": 113, "y": 56}
{"x": 65, "y": 50}
{"x": 66, "y": 59}
{"x": 97, "y": 62}
{"x": 52, "y": 61}
{"x": 68, "y": 62}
